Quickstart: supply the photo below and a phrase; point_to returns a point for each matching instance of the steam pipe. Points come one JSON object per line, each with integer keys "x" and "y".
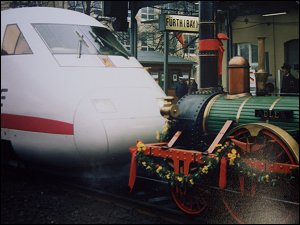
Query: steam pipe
{"x": 261, "y": 75}
{"x": 261, "y": 54}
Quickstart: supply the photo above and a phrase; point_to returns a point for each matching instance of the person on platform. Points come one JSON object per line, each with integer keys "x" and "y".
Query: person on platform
{"x": 290, "y": 85}
{"x": 181, "y": 88}
{"x": 193, "y": 86}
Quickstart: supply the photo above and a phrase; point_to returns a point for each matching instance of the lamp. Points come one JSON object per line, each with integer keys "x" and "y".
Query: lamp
{"x": 275, "y": 14}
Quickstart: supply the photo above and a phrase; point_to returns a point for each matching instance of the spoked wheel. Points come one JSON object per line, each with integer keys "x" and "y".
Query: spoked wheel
{"x": 246, "y": 199}
{"x": 191, "y": 200}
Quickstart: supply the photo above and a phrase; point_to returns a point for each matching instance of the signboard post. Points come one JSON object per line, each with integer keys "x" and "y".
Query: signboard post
{"x": 166, "y": 69}
{"x": 175, "y": 23}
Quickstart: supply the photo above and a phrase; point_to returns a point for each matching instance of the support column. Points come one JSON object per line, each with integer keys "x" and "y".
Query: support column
{"x": 229, "y": 45}
{"x": 166, "y": 68}
{"x": 133, "y": 30}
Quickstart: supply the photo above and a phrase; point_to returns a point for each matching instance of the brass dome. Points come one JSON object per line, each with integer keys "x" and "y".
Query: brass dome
{"x": 239, "y": 78}
{"x": 238, "y": 61}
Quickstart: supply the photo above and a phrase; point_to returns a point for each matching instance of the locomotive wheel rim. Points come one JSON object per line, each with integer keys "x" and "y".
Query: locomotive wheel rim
{"x": 283, "y": 139}
{"x": 187, "y": 202}
{"x": 282, "y": 135}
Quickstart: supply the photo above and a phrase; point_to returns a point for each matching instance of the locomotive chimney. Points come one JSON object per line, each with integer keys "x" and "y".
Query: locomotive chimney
{"x": 208, "y": 46}
{"x": 261, "y": 75}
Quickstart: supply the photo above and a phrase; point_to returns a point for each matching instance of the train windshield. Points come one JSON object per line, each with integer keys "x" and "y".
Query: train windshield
{"x": 80, "y": 39}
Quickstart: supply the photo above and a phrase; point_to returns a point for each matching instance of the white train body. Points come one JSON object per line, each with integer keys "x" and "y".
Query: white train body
{"x": 64, "y": 101}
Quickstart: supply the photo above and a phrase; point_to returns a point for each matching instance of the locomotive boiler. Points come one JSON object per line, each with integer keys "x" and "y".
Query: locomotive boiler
{"x": 243, "y": 145}
{"x": 203, "y": 115}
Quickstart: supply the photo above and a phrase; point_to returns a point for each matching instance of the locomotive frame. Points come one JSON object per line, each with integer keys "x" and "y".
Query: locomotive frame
{"x": 195, "y": 202}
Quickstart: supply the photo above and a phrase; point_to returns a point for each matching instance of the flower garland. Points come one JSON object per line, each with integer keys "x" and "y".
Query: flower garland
{"x": 228, "y": 150}
{"x": 164, "y": 170}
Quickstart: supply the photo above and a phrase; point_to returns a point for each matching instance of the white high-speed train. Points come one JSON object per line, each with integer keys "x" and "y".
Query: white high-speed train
{"x": 70, "y": 94}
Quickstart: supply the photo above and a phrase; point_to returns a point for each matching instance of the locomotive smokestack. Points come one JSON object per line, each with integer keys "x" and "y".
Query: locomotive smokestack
{"x": 208, "y": 45}
{"x": 261, "y": 75}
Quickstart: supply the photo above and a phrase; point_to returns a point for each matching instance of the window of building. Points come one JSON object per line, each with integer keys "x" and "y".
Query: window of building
{"x": 155, "y": 76}
{"x": 171, "y": 8}
{"x": 76, "y": 5}
{"x": 14, "y": 42}
{"x": 148, "y": 14}
{"x": 173, "y": 45}
{"x": 291, "y": 55}
{"x": 249, "y": 52}
{"x": 97, "y": 8}
{"x": 189, "y": 39}
{"x": 147, "y": 41}
{"x": 124, "y": 38}
{"x": 174, "y": 77}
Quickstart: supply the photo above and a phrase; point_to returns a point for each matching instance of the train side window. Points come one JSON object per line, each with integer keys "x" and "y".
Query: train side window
{"x": 14, "y": 42}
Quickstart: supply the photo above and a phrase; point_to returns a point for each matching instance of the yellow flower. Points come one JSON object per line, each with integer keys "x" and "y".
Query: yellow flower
{"x": 165, "y": 128}
{"x": 233, "y": 151}
{"x": 231, "y": 162}
{"x": 180, "y": 179}
{"x": 158, "y": 169}
{"x": 231, "y": 156}
{"x": 238, "y": 155}
{"x": 168, "y": 176}
{"x": 148, "y": 168}
{"x": 219, "y": 150}
{"x": 218, "y": 145}
{"x": 191, "y": 181}
{"x": 144, "y": 163}
{"x": 205, "y": 169}
{"x": 157, "y": 136}
{"x": 267, "y": 178}
{"x": 140, "y": 146}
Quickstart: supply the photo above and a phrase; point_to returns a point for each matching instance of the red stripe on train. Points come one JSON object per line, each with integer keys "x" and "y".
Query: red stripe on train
{"x": 36, "y": 124}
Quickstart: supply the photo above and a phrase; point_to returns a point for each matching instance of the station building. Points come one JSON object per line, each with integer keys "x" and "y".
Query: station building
{"x": 242, "y": 21}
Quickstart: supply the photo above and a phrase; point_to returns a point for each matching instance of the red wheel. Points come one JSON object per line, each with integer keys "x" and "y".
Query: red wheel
{"x": 249, "y": 201}
{"x": 191, "y": 200}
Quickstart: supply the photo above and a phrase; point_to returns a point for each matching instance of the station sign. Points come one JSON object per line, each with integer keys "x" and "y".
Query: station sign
{"x": 179, "y": 23}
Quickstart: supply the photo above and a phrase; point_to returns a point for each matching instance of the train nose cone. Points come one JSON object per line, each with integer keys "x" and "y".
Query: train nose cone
{"x": 123, "y": 133}
{"x": 107, "y": 123}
